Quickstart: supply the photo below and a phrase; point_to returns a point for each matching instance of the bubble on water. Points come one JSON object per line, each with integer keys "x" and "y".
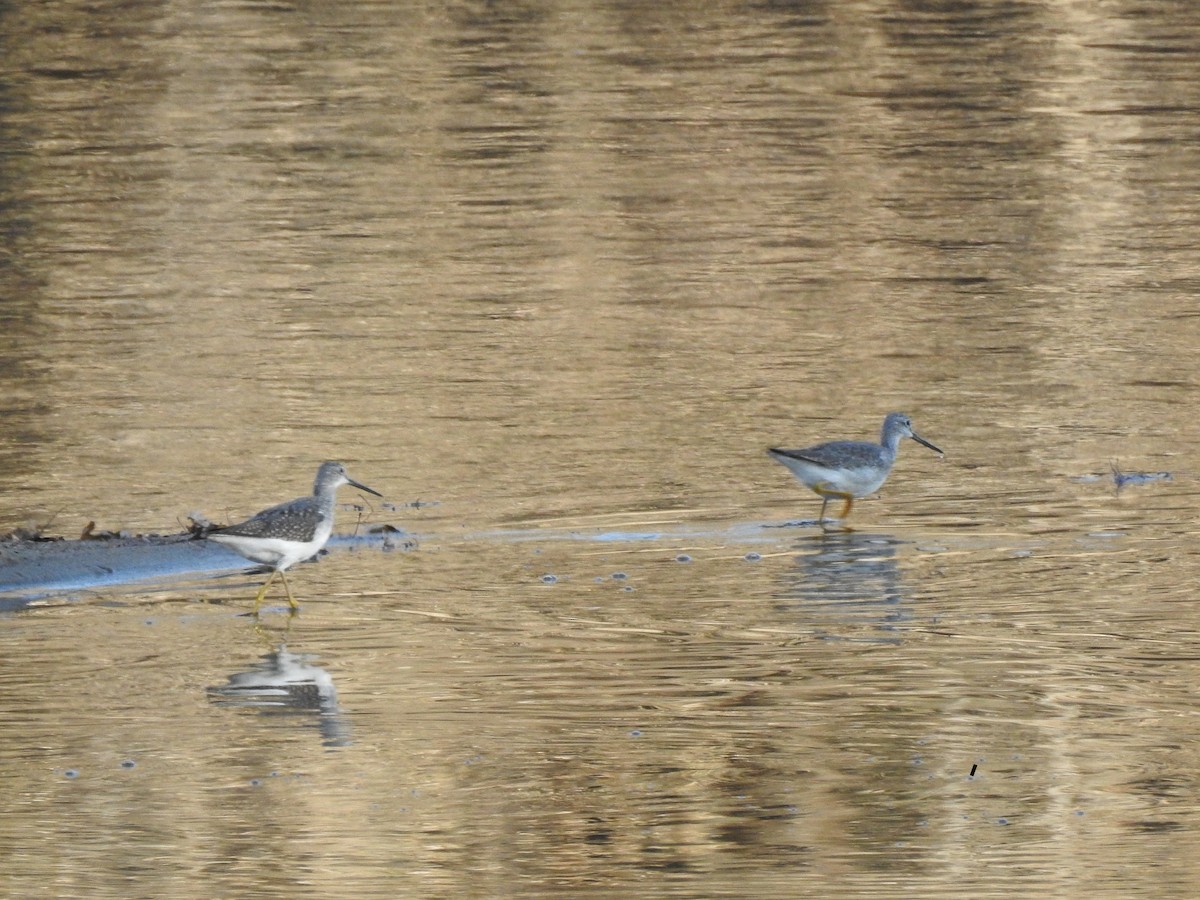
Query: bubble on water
{"x": 637, "y": 732}
{"x": 619, "y": 576}
{"x": 256, "y": 782}
{"x": 128, "y": 764}
{"x": 71, "y": 773}
{"x": 752, "y": 556}
{"x": 683, "y": 558}
{"x": 549, "y": 579}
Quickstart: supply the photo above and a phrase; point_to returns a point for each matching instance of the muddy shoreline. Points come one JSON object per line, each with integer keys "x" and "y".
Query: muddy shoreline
{"x": 35, "y": 568}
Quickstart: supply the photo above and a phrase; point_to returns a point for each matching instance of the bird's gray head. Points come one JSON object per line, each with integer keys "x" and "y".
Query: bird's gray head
{"x": 898, "y": 425}
{"x": 332, "y": 475}
{"x": 897, "y": 422}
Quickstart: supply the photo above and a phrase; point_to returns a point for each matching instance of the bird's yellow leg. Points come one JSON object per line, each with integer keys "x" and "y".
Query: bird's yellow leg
{"x": 292, "y": 604}
{"x": 827, "y": 492}
{"x": 262, "y": 591}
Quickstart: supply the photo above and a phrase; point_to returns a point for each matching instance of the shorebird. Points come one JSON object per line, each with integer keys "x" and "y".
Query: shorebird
{"x": 850, "y": 469}
{"x": 284, "y": 535}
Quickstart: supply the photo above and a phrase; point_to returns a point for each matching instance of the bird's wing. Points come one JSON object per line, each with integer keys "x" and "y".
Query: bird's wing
{"x": 265, "y": 523}
{"x": 850, "y": 454}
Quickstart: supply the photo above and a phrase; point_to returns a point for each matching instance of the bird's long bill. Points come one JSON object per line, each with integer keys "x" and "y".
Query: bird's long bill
{"x": 363, "y": 487}
{"x": 920, "y": 440}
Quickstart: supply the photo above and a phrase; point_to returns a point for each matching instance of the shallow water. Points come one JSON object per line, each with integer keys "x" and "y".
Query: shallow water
{"x": 556, "y": 276}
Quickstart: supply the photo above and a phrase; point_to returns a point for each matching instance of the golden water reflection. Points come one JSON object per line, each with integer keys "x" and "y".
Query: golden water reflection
{"x": 556, "y": 276}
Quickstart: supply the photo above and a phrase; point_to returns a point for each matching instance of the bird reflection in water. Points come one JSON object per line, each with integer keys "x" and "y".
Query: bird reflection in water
{"x": 287, "y": 683}
{"x": 849, "y": 580}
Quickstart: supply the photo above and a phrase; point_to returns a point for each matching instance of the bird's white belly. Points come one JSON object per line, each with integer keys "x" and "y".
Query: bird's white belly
{"x": 279, "y": 554}
{"x": 855, "y": 482}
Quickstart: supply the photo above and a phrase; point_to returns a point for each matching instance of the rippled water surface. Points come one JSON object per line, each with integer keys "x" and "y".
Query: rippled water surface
{"x": 551, "y": 277}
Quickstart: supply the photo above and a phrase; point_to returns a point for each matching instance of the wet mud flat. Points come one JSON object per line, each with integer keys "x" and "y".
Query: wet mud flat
{"x": 33, "y": 567}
